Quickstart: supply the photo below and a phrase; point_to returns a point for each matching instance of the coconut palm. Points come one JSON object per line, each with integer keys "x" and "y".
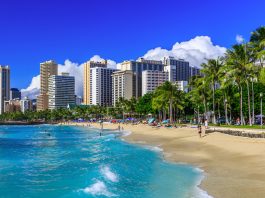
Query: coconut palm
{"x": 199, "y": 93}
{"x": 211, "y": 71}
{"x": 167, "y": 93}
{"x": 239, "y": 64}
{"x": 258, "y": 41}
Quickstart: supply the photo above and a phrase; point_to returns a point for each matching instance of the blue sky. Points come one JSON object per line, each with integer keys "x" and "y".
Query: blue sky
{"x": 34, "y": 31}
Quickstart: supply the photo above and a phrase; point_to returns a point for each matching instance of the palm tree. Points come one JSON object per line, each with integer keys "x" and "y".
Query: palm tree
{"x": 199, "y": 94}
{"x": 168, "y": 93}
{"x": 239, "y": 64}
{"x": 211, "y": 70}
{"x": 257, "y": 40}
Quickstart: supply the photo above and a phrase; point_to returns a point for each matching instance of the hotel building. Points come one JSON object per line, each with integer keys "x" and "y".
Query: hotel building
{"x": 194, "y": 71}
{"x": 151, "y": 79}
{"x": 5, "y": 86}
{"x": 137, "y": 67}
{"x": 183, "y": 86}
{"x": 87, "y": 78}
{"x": 122, "y": 85}
{"x": 61, "y": 91}
{"x": 15, "y": 94}
{"x": 101, "y": 86}
{"x": 178, "y": 70}
{"x": 47, "y": 69}
{"x": 26, "y": 105}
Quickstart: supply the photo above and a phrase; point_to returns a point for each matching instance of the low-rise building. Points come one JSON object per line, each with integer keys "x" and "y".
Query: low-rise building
{"x": 12, "y": 106}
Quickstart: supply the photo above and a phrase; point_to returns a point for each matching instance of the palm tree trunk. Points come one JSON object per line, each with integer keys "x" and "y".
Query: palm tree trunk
{"x": 241, "y": 105}
{"x": 170, "y": 111}
{"x": 214, "y": 120}
{"x": 205, "y": 107}
{"x": 253, "y": 103}
{"x": 249, "y": 109}
{"x": 219, "y": 114}
{"x": 230, "y": 114}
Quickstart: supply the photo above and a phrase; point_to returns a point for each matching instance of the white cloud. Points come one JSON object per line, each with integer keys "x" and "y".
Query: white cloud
{"x": 239, "y": 39}
{"x": 33, "y": 89}
{"x": 196, "y": 51}
{"x": 110, "y": 63}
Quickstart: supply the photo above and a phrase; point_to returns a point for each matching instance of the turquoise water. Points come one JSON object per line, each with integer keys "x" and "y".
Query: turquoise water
{"x": 63, "y": 161}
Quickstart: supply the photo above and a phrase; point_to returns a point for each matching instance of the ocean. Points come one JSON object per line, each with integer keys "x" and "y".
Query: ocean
{"x": 64, "y": 162}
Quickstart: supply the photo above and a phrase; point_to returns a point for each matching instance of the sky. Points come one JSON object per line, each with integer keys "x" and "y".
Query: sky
{"x": 33, "y": 31}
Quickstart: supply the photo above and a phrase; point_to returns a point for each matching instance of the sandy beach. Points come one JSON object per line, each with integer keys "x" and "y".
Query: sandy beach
{"x": 233, "y": 166}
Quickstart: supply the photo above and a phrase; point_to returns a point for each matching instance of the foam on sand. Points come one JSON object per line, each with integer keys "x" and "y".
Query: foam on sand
{"x": 108, "y": 174}
{"x": 98, "y": 188}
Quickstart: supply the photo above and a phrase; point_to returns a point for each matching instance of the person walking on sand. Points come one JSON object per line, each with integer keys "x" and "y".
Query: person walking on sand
{"x": 206, "y": 124}
{"x": 200, "y": 130}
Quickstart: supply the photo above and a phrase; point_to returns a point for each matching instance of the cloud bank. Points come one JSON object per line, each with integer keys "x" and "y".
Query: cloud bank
{"x": 196, "y": 51}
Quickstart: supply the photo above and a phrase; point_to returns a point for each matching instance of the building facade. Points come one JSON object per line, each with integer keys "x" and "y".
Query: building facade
{"x": 195, "y": 71}
{"x": 137, "y": 67}
{"x": 26, "y": 105}
{"x": 87, "y": 78}
{"x": 5, "y": 86}
{"x": 151, "y": 79}
{"x": 122, "y": 85}
{"x": 11, "y": 106}
{"x": 178, "y": 69}
{"x": 183, "y": 86}
{"x": 101, "y": 86}
{"x": 78, "y": 100}
{"x": 61, "y": 91}
{"x": 15, "y": 94}
{"x": 47, "y": 69}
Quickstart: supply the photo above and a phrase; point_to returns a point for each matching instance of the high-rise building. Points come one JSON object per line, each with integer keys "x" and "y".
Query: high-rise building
{"x": 151, "y": 79}
{"x": 137, "y": 67}
{"x": 194, "y": 71}
{"x": 87, "y": 78}
{"x": 26, "y": 105}
{"x": 101, "y": 86}
{"x": 122, "y": 85}
{"x": 4, "y": 85}
{"x": 47, "y": 69}
{"x": 61, "y": 91}
{"x": 15, "y": 94}
{"x": 178, "y": 69}
{"x": 183, "y": 85}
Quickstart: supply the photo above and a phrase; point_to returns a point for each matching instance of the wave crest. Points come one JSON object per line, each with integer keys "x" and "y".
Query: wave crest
{"x": 108, "y": 174}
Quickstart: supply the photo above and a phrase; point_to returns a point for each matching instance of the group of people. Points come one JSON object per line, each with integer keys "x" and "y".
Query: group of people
{"x": 200, "y": 127}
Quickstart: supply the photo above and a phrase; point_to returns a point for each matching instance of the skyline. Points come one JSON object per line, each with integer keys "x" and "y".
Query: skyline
{"x": 65, "y": 32}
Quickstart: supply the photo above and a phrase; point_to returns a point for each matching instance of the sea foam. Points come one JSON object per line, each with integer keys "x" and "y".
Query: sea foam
{"x": 98, "y": 188}
{"x": 108, "y": 174}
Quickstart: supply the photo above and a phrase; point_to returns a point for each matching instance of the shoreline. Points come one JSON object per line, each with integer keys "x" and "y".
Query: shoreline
{"x": 232, "y": 166}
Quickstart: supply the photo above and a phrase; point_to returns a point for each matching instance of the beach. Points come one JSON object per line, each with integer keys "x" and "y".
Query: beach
{"x": 233, "y": 166}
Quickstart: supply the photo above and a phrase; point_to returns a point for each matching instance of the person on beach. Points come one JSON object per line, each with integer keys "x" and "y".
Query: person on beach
{"x": 200, "y": 130}
{"x": 206, "y": 124}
